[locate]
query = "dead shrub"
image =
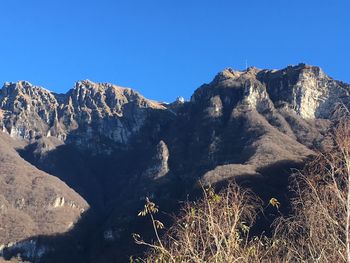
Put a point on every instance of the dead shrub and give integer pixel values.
(214, 229)
(318, 230)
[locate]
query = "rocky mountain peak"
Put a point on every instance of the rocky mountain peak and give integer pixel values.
(16, 86)
(303, 68)
(114, 146)
(89, 109)
(299, 71)
(20, 89)
(94, 108)
(231, 74)
(107, 93)
(303, 89)
(226, 74)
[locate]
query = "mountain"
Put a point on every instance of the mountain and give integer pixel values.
(32, 202)
(114, 147)
(111, 112)
(244, 121)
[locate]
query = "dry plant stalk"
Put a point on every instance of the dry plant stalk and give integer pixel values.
(318, 230)
(216, 228)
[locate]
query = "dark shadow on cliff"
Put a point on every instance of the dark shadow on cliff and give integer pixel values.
(95, 167)
(115, 187)
(89, 241)
(112, 184)
(272, 183)
(69, 165)
(72, 243)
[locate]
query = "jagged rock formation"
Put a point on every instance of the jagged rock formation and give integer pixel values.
(305, 89)
(112, 113)
(244, 121)
(114, 147)
(160, 165)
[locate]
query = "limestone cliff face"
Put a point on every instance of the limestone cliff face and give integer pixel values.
(26, 110)
(114, 147)
(305, 89)
(86, 112)
(108, 112)
(248, 120)
(105, 112)
(159, 165)
(261, 112)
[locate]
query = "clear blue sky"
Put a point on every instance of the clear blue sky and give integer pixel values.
(167, 48)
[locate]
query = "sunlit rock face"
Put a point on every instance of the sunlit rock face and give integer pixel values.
(26, 110)
(106, 110)
(305, 89)
(113, 148)
(92, 114)
(250, 119)
(87, 115)
(159, 166)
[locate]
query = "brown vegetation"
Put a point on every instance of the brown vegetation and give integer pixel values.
(216, 228)
(318, 231)
(27, 198)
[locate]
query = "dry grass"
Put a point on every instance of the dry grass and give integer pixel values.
(216, 229)
(318, 231)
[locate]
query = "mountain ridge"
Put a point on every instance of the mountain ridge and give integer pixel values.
(114, 147)
(57, 111)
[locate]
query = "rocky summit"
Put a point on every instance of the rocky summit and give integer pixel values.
(110, 111)
(76, 167)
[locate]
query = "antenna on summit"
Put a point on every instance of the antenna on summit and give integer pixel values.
(246, 64)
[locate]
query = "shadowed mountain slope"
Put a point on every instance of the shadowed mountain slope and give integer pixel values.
(32, 202)
(114, 147)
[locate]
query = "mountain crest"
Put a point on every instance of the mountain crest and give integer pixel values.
(303, 89)
(118, 113)
(114, 147)
(89, 108)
